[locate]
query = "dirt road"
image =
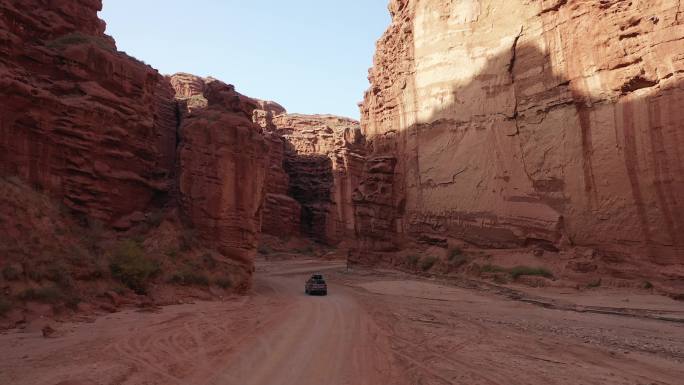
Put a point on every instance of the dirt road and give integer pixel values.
(373, 327)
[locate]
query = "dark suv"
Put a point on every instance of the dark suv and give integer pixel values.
(316, 285)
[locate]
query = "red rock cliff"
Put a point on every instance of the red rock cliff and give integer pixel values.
(506, 123)
(102, 132)
(223, 159)
(324, 160)
(79, 119)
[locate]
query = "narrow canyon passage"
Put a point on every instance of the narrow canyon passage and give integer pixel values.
(374, 326)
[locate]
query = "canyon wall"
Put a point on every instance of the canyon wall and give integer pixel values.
(111, 139)
(324, 161)
(79, 119)
(223, 161)
(506, 124)
(281, 215)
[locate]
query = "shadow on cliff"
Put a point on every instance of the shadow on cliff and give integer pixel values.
(604, 172)
(310, 183)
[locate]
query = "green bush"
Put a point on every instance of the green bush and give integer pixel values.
(75, 38)
(648, 285)
(190, 278)
(72, 302)
(457, 258)
(10, 273)
(209, 261)
(427, 263)
(308, 250)
(455, 253)
(50, 294)
(519, 271)
(264, 250)
(36, 274)
(132, 267)
(188, 239)
(173, 254)
(58, 274)
(412, 261)
(489, 268)
(155, 218)
(5, 306)
(224, 282)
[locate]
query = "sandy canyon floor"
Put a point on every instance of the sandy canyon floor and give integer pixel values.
(374, 327)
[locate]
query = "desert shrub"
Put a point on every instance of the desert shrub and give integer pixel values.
(72, 302)
(517, 271)
(209, 261)
(264, 250)
(187, 277)
(5, 306)
(308, 250)
(155, 218)
(120, 290)
(648, 285)
(594, 284)
(132, 267)
(188, 239)
(526, 270)
(457, 258)
(10, 273)
(501, 279)
(49, 294)
(455, 253)
(224, 282)
(69, 39)
(427, 263)
(489, 268)
(173, 254)
(58, 274)
(35, 274)
(412, 260)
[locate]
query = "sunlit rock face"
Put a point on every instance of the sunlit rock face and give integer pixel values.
(91, 126)
(324, 160)
(506, 124)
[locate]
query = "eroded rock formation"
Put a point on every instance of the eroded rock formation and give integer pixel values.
(282, 213)
(104, 134)
(324, 159)
(504, 124)
(79, 119)
(223, 159)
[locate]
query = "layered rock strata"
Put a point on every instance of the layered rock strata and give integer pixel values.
(556, 123)
(79, 119)
(324, 159)
(223, 159)
(104, 134)
(281, 215)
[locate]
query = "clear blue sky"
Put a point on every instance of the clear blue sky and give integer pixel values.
(311, 56)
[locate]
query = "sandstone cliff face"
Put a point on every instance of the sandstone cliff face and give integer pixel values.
(282, 213)
(103, 134)
(79, 119)
(324, 160)
(506, 124)
(223, 159)
(97, 160)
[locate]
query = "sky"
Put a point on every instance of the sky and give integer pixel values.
(311, 56)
